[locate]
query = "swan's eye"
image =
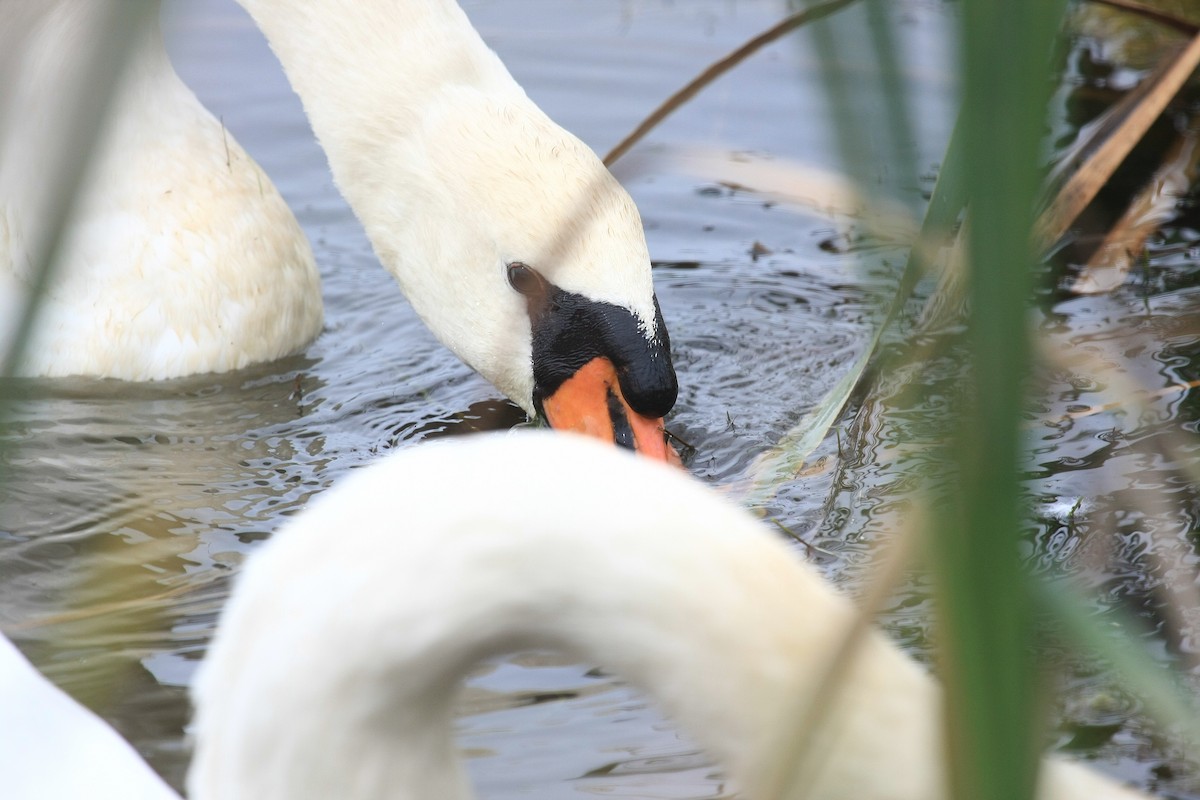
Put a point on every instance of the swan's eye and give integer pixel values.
(524, 279)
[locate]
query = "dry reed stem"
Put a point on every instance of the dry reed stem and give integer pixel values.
(1149, 12)
(809, 735)
(1126, 392)
(1081, 188)
(1153, 206)
(719, 68)
(1140, 396)
(1178, 582)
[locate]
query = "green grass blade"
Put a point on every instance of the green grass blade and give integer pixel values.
(985, 614)
(1111, 637)
(784, 461)
(90, 100)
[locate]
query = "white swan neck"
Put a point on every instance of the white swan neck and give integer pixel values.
(391, 585)
(691, 602)
(352, 62)
(454, 173)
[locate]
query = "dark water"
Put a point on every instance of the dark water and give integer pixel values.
(125, 508)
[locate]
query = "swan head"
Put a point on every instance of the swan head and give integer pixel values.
(525, 256)
(512, 241)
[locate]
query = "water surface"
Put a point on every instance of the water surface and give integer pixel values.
(126, 508)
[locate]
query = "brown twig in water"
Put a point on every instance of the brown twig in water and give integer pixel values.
(1152, 97)
(1175, 388)
(719, 68)
(809, 710)
(807, 544)
(1154, 205)
(1149, 12)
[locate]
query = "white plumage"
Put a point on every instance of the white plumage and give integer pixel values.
(337, 658)
(184, 258)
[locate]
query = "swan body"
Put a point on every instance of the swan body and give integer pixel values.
(184, 258)
(37, 718)
(336, 660)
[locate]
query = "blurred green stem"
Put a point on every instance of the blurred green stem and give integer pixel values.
(986, 618)
(90, 99)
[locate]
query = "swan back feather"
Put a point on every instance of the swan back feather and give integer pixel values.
(41, 724)
(181, 257)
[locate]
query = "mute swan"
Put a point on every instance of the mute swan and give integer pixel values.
(510, 239)
(37, 719)
(337, 657)
(182, 257)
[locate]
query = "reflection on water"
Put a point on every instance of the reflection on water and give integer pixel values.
(125, 509)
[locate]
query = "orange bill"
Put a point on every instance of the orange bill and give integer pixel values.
(590, 402)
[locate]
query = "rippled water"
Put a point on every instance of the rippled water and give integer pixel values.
(126, 508)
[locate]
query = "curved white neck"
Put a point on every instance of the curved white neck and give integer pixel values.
(375, 80)
(424, 46)
(689, 600)
(337, 659)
